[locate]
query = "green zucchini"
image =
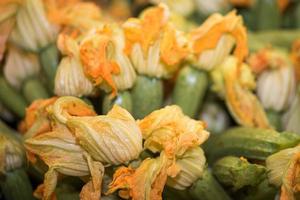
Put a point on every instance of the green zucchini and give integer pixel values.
(274, 118)
(33, 89)
(254, 143)
(11, 98)
(123, 99)
(236, 173)
(297, 15)
(147, 96)
(208, 188)
(49, 58)
(267, 15)
(15, 185)
(190, 88)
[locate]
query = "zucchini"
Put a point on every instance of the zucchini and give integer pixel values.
(267, 15)
(236, 173)
(11, 98)
(190, 88)
(16, 185)
(254, 143)
(274, 118)
(33, 89)
(147, 96)
(208, 188)
(123, 99)
(49, 58)
(297, 15)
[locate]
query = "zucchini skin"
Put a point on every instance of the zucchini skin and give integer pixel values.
(122, 99)
(12, 99)
(189, 91)
(208, 188)
(147, 96)
(267, 15)
(16, 185)
(33, 89)
(253, 143)
(237, 173)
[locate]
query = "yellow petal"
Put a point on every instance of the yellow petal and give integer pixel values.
(207, 35)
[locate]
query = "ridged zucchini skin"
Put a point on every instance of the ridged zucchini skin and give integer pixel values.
(11, 98)
(267, 15)
(15, 185)
(122, 99)
(147, 96)
(190, 88)
(208, 188)
(254, 143)
(236, 173)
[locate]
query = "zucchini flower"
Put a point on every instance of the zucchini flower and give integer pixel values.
(111, 139)
(242, 3)
(153, 44)
(70, 78)
(182, 7)
(103, 59)
(213, 41)
(276, 84)
(236, 83)
(284, 172)
(8, 10)
(33, 31)
(176, 137)
(60, 151)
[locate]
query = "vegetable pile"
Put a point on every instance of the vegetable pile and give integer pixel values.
(149, 100)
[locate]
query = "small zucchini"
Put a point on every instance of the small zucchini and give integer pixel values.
(123, 99)
(254, 143)
(147, 96)
(190, 88)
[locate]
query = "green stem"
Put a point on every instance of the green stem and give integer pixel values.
(49, 59)
(274, 118)
(11, 98)
(123, 99)
(16, 185)
(33, 89)
(147, 96)
(190, 89)
(208, 188)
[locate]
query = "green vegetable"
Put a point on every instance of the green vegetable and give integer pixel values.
(33, 89)
(190, 89)
(49, 58)
(236, 173)
(254, 143)
(123, 99)
(16, 185)
(208, 188)
(147, 96)
(274, 118)
(267, 15)
(11, 98)
(297, 15)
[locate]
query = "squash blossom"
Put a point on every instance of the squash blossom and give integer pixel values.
(213, 41)
(236, 82)
(104, 61)
(153, 44)
(284, 172)
(276, 84)
(295, 57)
(181, 7)
(206, 8)
(176, 137)
(70, 78)
(242, 3)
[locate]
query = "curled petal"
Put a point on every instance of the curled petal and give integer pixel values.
(208, 35)
(67, 107)
(111, 139)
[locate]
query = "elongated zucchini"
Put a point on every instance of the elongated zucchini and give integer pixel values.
(190, 89)
(254, 143)
(49, 58)
(267, 15)
(33, 89)
(208, 188)
(123, 99)
(16, 185)
(11, 98)
(236, 173)
(147, 96)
